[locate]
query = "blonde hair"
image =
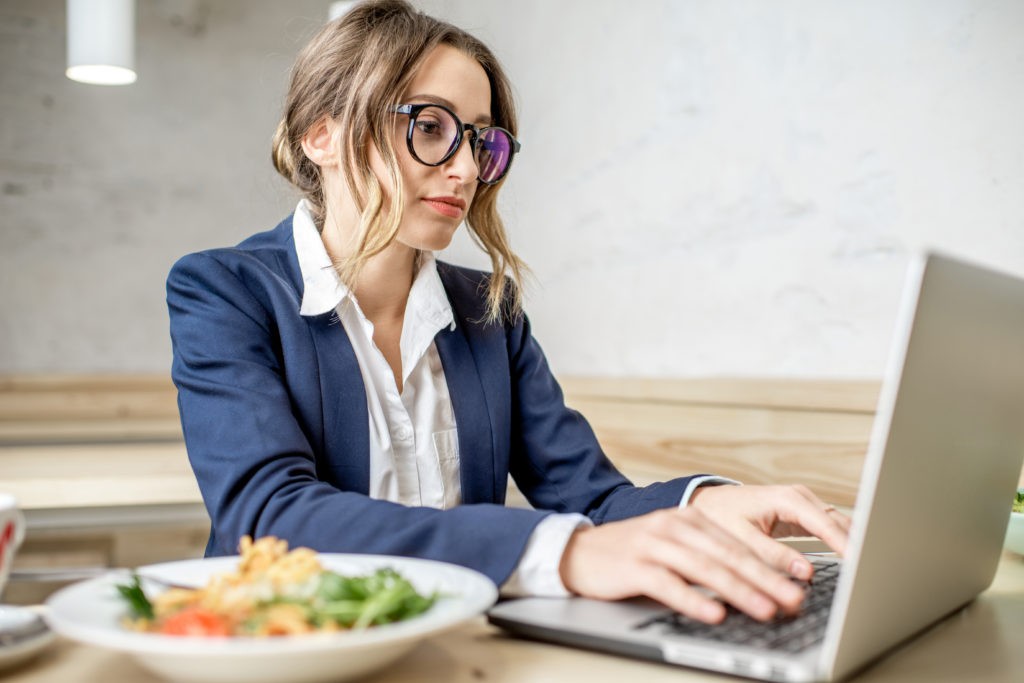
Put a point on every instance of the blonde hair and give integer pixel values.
(353, 70)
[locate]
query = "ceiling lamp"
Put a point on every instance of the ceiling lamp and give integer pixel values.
(339, 8)
(101, 41)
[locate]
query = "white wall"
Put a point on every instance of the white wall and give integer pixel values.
(706, 187)
(733, 187)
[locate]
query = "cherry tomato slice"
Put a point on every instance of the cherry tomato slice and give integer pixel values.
(195, 621)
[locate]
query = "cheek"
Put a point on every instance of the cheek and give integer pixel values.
(380, 171)
(406, 167)
(412, 173)
(471, 193)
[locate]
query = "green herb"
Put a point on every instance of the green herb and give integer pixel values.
(139, 604)
(379, 598)
(1018, 503)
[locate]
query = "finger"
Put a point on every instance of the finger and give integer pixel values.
(841, 518)
(705, 570)
(713, 557)
(667, 587)
(766, 565)
(805, 510)
(780, 556)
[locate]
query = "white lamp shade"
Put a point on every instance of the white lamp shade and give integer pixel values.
(339, 8)
(101, 41)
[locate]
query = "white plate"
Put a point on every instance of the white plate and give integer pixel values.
(22, 635)
(1014, 541)
(91, 612)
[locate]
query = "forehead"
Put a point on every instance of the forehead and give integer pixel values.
(451, 74)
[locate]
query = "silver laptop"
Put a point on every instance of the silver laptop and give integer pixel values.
(929, 520)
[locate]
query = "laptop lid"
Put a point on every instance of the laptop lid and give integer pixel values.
(942, 466)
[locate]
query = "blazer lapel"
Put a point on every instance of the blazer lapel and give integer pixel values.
(476, 450)
(346, 422)
(345, 445)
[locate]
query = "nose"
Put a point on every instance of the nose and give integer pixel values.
(462, 164)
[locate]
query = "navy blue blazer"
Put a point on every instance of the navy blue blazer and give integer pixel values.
(275, 420)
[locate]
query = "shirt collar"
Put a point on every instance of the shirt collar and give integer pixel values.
(427, 312)
(323, 290)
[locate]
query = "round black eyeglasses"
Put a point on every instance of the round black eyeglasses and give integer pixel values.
(435, 135)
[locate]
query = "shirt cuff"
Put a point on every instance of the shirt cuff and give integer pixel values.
(537, 573)
(706, 480)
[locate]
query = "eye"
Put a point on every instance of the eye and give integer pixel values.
(429, 126)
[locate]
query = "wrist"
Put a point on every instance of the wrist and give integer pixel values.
(698, 492)
(702, 483)
(566, 566)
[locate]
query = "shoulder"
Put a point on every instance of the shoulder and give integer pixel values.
(463, 282)
(259, 275)
(265, 254)
(468, 289)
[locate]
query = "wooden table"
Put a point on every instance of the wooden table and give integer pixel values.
(983, 642)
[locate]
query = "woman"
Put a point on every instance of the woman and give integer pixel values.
(341, 389)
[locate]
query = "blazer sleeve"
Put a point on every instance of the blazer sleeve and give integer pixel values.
(556, 460)
(255, 459)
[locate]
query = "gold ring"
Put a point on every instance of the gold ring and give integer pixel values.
(829, 508)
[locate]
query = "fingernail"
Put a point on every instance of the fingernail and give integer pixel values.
(800, 569)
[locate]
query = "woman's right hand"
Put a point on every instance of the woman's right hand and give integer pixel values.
(667, 554)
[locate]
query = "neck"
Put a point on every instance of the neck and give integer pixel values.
(383, 284)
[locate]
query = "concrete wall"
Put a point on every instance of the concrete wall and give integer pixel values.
(102, 188)
(706, 187)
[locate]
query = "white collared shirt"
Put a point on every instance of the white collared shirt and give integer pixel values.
(414, 452)
(414, 447)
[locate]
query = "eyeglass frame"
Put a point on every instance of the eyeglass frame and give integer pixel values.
(413, 110)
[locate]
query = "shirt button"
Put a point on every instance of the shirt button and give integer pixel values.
(404, 434)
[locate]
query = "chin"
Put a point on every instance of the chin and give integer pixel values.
(436, 245)
(436, 238)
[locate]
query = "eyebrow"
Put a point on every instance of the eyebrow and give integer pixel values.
(483, 119)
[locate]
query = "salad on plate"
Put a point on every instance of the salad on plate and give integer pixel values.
(274, 592)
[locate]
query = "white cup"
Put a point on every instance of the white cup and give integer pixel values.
(12, 533)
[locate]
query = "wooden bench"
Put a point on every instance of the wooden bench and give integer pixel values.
(89, 442)
(99, 464)
(759, 431)
(101, 441)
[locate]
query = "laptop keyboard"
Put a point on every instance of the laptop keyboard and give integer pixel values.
(789, 634)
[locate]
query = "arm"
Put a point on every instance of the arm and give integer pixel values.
(249, 397)
(643, 544)
(556, 459)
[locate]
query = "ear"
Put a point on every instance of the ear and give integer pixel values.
(319, 143)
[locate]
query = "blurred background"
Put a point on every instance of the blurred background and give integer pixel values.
(705, 187)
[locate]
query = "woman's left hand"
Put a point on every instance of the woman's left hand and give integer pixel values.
(756, 515)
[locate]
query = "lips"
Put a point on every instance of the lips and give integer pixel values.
(453, 207)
